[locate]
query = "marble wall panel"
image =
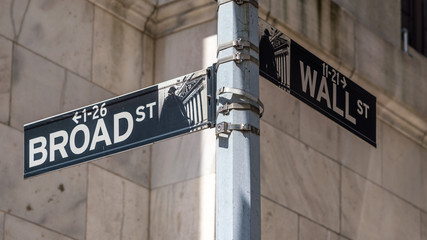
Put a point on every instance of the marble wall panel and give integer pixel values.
(423, 226)
(117, 208)
(401, 164)
(383, 19)
(323, 22)
(56, 200)
(184, 210)
(318, 131)
(372, 213)
(360, 156)
(309, 230)
(61, 31)
(133, 165)
(16, 228)
(378, 60)
(79, 92)
(183, 158)
(342, 36)
(184, 52)
(1, 225)
(117, 54)
(424, 179)
(5, 78)
(36, 88)
(281, 109)
(414, 81)
(298, 177)
(148, 61)
(181, 15)
(277, 222)
(135, 12)
(12, 14)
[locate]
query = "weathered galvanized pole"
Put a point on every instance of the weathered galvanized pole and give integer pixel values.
(238, 144)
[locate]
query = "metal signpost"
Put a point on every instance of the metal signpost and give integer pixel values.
(169, 109)
(291, 67)
(238, 143)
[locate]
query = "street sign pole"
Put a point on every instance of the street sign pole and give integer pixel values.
(238, 107)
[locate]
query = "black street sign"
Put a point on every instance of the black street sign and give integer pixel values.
(169, 109)
(292, 68)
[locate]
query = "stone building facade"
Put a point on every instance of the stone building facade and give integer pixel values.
(318, 181)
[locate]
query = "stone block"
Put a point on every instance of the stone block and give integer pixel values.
(117, 54)
(79, 92)
(5, 78)
(378, 60)
(342, 34)
(277, 222)
(148, 62)
(2, 225)
(383, 19)
(424, 179)
(117, 208)
(360, 156)
(181, 15)
(323, 22)
(36, 88)
(135, 12)
(44, 199)
(12, 14)
(181, 53)
(185, 210)
(61, 31)
(318, 131)
(309, 230)
(372, 213)
(401, 164)
(298, 177)
(183, 158)
(16, 228)
(423, 226)
(281, 108)
(414, 81)
(133, 165)
(289, 12)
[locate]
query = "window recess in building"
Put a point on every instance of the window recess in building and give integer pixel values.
(414, 22)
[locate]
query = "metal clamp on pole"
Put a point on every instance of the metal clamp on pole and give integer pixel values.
(237, 57)
(244, 95)
(224, 129)
(226, 108)
(239, 44)
(238, 2)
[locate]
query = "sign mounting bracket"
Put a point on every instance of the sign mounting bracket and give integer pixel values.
(224, 129)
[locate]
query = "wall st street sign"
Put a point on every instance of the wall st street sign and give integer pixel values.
(294, 69)
(169, 109)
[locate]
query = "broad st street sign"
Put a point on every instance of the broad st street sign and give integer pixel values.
(172, 108)
(292, 68)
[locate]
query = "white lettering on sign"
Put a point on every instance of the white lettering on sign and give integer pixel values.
(86, 135)
(362, 108)
(309, 79)
(128, 117)
(334, 101)
(35, 150)
(324, 92)
(100, 134)
(306, 78)
(42, 148)
(96, 112)
(140, 111)
(58, 146)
